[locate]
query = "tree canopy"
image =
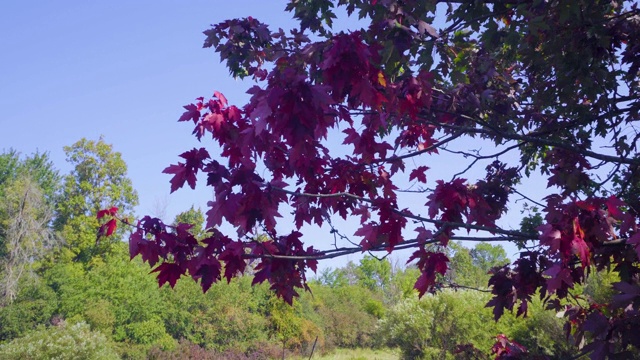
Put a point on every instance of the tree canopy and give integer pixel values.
(99, 178)
(548, 89)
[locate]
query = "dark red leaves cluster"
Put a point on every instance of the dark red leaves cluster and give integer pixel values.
(208, 260)
(505, 349)
(430, 264)
(283, 273)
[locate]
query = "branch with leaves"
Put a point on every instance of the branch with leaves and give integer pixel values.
(529, 77)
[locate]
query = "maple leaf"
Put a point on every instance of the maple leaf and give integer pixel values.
(369, 233)
(187, 171)
(628, 294)
(635, 242)
(135, 239)
(419, 174)
(208, 273)
(111, 226)
(192, 113)
(112, 211)
(233, 259)
(376, 88)
(150, 253)
(550, 236)
(108, 228)
(423, 235)
(581, 248)
(423, 28)
(430, 264)
(222, 98)
(168, 272)
(559, 278)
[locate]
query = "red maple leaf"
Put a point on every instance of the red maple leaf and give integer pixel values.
(187, 171)
(559, 278)
(192, 113)
(108, 228)
(208, 273)
(112, 211)
(233, 259)
(168, 272)
(430, 264)
(419, 174)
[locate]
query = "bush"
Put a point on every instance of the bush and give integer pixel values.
(100, 316)
(75, 342)
(34, 306)
(145, 332)
(432, 328)
(191, 351)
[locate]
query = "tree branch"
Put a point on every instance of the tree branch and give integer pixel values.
(493, 230)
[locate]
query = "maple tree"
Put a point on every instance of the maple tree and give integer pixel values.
(552, 86)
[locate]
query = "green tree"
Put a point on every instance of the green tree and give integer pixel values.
(24, 232)
(193, 217)
(374, 274)
(486, 256)
(37, 166)
(98, 180)
(470, 267)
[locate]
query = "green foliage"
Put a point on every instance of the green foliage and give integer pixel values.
(145, 332)
(74, 342)
(403, 282)
(97, 181)
(341, 313)
(542, 333)
(37, 166)
(599, 286)
(34, 305)
(374, 274)
(470, 267)
(433, 327)
(228, 316)
(193, 217)
(99, 315)
(24, 232)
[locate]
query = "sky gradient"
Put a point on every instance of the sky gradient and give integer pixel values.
(74, 69)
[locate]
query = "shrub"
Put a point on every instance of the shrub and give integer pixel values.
(74, 342)
(191, 351)
(34, 305)
(100, 316)
(432, 328)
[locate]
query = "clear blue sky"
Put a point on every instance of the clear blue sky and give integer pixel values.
(124, 69)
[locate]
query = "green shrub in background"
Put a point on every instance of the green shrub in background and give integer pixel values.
(99, 316)
(433, 327)
(72, 342)
(35, 305)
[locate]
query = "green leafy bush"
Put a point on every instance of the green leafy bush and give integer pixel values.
(73, 342)
(35, 305)
(145, 332)
(433, 327)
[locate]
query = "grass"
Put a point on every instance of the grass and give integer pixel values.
(358, 354)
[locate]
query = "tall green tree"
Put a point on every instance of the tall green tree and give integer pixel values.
(470, 267)
(37, 166)
(98, 180)
(25, 235)
(374, 273)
